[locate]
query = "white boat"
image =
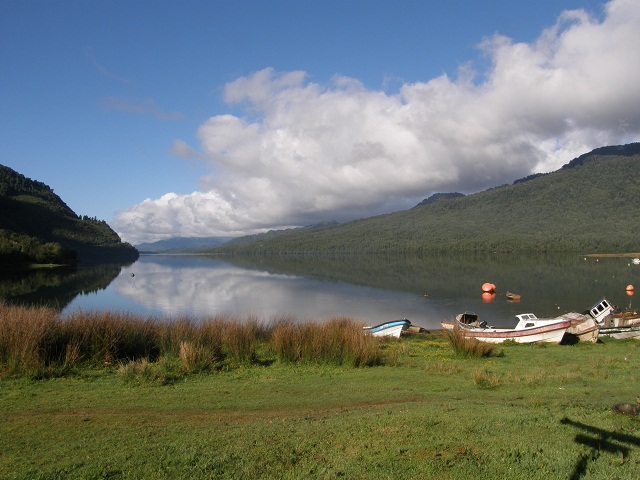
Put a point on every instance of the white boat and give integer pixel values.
(636, 261)
(530, 329)
(393, 328)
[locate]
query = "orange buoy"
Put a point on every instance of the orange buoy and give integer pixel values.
(488, 287)
(630, 293)
(629, 288)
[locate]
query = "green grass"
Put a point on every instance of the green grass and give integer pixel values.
(536, 412)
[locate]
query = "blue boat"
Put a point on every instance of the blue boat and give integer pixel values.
(389, 329)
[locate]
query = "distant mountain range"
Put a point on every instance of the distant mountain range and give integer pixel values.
(36, 226)
(205, 244)
(591, 204)
(182, 244)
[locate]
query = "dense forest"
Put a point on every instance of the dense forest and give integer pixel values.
(592, 204)
(36, 226)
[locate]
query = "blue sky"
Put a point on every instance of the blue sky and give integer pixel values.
(203, 118)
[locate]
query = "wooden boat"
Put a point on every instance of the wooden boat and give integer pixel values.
(393, 328)
(586, 327)
(622, 319)
(583, 327)
(615, 324)
(529, 329)
(514, 297)
(620, 333)
(621, 325)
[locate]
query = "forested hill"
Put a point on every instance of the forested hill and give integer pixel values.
(37, 226)
(592, 204)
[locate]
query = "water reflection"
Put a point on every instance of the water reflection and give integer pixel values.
(202, 286)
(54, 287)
(369, 288)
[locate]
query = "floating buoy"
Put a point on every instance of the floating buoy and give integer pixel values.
(488, 287)
(629, 287)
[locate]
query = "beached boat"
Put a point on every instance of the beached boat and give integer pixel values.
(583, 327)
(586, 327)
(393, 328)
(620, 333)
(529, 329)
(621, 325)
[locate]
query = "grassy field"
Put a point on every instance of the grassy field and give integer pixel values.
(421, 411)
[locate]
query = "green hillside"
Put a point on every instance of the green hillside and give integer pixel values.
(37, 226)
(592, 204)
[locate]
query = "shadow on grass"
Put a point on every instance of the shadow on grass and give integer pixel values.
(598, 440)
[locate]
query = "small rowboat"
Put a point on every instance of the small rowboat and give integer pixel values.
(393, 328)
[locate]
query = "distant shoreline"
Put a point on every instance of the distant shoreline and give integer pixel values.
(613, 255)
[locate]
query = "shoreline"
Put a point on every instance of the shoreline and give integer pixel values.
(613, 255)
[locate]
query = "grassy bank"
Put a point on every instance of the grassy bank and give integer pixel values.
(424, 411)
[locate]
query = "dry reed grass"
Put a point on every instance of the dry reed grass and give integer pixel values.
(468, 347)
(38, 342)
(486, 380)
(23, 336)
(340, 340)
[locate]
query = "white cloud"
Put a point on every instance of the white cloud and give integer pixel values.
(313, 152)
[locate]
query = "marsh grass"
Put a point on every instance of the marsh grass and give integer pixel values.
(485, 379)
(470, 347)
(37, 342)
(23, 331)
(165, 371)
(339, 341)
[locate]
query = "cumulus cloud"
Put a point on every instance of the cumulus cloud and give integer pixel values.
(308, 152)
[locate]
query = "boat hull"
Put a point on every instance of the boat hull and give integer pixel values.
(583, 327)
(621, 333)
(549, 333)
(389, 329)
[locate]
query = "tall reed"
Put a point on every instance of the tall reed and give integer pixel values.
(467, 346)
(23, 337)
(241, 339)
(106, 337)
(37, 341)
(340, 340)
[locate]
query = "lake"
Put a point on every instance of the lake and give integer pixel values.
(373, 289)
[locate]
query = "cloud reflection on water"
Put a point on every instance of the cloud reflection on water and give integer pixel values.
(200, 286)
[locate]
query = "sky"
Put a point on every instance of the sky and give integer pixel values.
(198, 118)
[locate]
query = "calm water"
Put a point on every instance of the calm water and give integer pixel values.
(372, 289)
